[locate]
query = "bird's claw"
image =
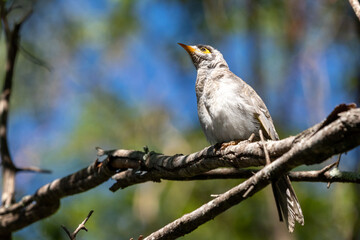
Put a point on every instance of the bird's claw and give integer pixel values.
(232, 143)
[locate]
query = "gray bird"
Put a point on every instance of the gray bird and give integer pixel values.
(230, 110)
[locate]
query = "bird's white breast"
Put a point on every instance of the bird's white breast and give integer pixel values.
(223, 113)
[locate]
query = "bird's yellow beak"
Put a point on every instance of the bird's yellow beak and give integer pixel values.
(188, 48)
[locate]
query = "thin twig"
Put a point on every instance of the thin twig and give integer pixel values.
(336, 165)
(327, 168)
(248, 191)
(81, 226)
(3, 13)
(338, 161)
(67, 231)
(12, 7)
(32, 58)
(267, 158)
(25, 17)
(32, 169)
(251, 138)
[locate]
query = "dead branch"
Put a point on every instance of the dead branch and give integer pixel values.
(46, 200)
(81, 226)
(9, 169)
(312, 146)
(12, 40)
(323, 175)
(305, 150)
(244, 154)
(32, 170)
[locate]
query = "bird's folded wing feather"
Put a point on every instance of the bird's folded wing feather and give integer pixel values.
(262, 114)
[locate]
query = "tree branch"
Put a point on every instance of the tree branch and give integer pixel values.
(12, 37)
(244, 154)
(356, 6)
(306, 150)
(46, 200)
(335, 135)
(81, 226)
(329, 175)
(32, 169)
(9, 170)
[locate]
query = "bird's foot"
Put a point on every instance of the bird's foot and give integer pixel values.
(232, 143)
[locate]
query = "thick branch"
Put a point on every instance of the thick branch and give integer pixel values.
(244, 154)
(335, 135)
(339, 132)
(46, 200)
(307, 150)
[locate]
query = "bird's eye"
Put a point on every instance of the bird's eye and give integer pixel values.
(204, 50)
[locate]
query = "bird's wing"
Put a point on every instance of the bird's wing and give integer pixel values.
(261, 112)
(266, 122)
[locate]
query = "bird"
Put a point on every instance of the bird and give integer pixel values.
(230, 110)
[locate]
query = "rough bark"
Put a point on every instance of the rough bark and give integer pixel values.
(339, 133)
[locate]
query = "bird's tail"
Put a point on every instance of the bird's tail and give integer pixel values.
(287, 203)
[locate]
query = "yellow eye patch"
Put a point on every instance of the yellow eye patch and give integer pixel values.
(204, 50)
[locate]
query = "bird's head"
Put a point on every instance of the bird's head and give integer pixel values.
(205, 56)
